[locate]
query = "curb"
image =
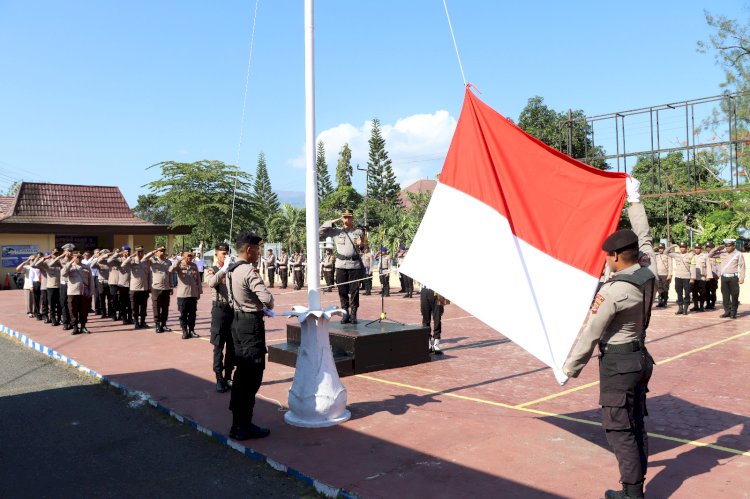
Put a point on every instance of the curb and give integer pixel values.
(325, 489)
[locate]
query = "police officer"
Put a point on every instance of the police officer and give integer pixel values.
(221, 318)
(80, 288)
(188, 291)
(347, 238)
(299, 277)
(384, 269)
(732, 272)
(664, 276)
(431, 305)
(105, 298)
(50, 268)
(123, 283)
(327, 265)
(284, 268)
(699, 273)
(249, 298)
(617, 325)
(270, 267)
(64, 306)
(712, 284)
(161, 289)
(682, 279)
(367, 261)
(407, 283)
(139, 266)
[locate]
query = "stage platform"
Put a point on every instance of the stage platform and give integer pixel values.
(362, 348)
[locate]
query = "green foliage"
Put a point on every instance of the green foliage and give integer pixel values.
(552, 128)
(148, 208)
(200, 194)
(344, 167)
(324, 179)
(382, 185)
(265, 202)
(288, 227)
(12, 189)
(345, 196)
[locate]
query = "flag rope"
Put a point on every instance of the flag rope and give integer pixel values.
(455, 45)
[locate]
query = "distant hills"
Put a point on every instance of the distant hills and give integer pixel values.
(295, 198)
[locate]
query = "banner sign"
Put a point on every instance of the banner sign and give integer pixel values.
(13, 256)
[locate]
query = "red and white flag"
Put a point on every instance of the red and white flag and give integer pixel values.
(537, 219)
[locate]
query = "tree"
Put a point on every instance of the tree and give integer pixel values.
(324, 179)
(265, 202)
(148, 208)
(12, 189)
(382, 185)
(344, 167)
(288, 226)
(200, 194)
(552, 128)
(343, 197)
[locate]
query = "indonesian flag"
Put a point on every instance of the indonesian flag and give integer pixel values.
(535, 220)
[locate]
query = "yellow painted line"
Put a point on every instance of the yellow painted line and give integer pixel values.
(459, 318)
(537, 412)
(661, 362)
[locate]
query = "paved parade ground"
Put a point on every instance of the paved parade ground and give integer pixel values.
(484, 420)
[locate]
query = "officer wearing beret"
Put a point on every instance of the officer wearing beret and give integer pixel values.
(699, 274)
(222, 316)
(682, 275)
(712, 284)
(139, 266)
(348, 239)
(249, 298)
(161, 289)
(50, 270)
(617, 324)
(384, 269)
(664, 276)
(68, 250)
(123, 283)
(732, 272)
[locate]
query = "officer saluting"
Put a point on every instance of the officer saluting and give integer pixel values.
(348, 262)
(617, 324)
(221, 319)
(249, 297)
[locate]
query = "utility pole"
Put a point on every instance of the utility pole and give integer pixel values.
(570, 132)
(367, 189)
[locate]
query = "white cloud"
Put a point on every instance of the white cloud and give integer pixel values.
(416, 144)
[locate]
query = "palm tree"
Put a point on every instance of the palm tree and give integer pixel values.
(288, 227)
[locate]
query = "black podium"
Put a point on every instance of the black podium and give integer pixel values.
(361, 348)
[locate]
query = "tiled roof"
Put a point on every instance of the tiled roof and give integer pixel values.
(424, 185)
(5, 204)
(70, 204)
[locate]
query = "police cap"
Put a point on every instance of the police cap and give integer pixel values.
(126, 247)
(662, 246)
(683, 245)
(709, 244)
(347, 213)
(621, 240)
(698, 246)
(222, 247)
(729, 241)
(69, 247)
(383, 248)
(248, 238)
(139, 248)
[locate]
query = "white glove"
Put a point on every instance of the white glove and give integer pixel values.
(633, 189)
(563, 381)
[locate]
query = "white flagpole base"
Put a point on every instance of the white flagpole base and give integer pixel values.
(317, 398)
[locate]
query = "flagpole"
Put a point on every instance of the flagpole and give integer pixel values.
(316, 398)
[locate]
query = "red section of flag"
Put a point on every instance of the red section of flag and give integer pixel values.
(556, 204)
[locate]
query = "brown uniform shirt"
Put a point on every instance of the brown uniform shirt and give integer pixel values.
(78, 276)
(347, 253)
(160, 274)
(139, 272)
(699, 267)
(328, 261)
(115, 267)
(367, 263)
(249, 292)
(218, 284)
(188, 280)
(731, 263)
(663, 264)
(51, 267)
(681, 262)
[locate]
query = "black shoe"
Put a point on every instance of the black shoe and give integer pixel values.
(725, 315)
(66, 327)
(245, 432)
(345, 319)
(84, 329)
(55, 323)
(167, 329)
(144, 325)
(115, 318)
(685, 311)
(353, 317)
(75, 331)
(634, 491)
(46, 320)
(98, 312)
(221, 385)
(710, 307)
(695, 309)
(185, 334)
(193, 334)
(733, 315)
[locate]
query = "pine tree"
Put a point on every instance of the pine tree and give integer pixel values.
(382, 184)
(344, 167)
(324, 179)
(265, 202)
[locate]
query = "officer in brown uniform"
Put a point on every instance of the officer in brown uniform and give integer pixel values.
(384, 269)
(222, 316)
(105, 298)
(347, 239)
(699, 273)
(407, 283)
(297, 270)
(67, 256)
(80, 288)
(249, 298)
(732, 272)
(161, 289)
(664, 276)
(123, 283)
(283, 267)
(367, 261)
(188, 292)
(114, 285)
(681, 270)
(139, 266)
(327, 266)
(270, 267)
(712, 284)
(617, 324)
(49, 267)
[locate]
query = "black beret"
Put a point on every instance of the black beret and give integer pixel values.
(661, 245)
(709, 244)
(222, 247)
(683, 245)
(248, 238)
(698, 246)
(620, 240)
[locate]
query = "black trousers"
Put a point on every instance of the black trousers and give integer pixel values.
(97, 297)
(284, 276)
(408, 286)
(328, 277)
(271, 276)
(53, 301)
(105, 300)
(160, 305)
(699, 293)
(79, 309)
(348, 293)
(624, 382)
(138, 303)
(123, 297)
(64, 304)
(368, 284)
(222, 317)
(187, 307)
(114, 294)
(299, 279)
(431, 309)
(43, 307)
(249, 338)
(711, 286)
(730, 293)
(683, 288)
(385, 284)
(662, 288)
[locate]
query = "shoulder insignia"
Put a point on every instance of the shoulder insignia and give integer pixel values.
(598, 300)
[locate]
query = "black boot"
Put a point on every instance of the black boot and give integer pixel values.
(629, 491)
(157, 328)
(221, 384)
(144, 324)
(679, 309)
(84, 329)
(695, 307)
(185, 334)
(685, 309)
(725, 315)
(345, 318)
(193, 334)
(75, 328)
(354, 315)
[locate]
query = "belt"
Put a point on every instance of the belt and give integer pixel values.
(729, 275)
(240, 312)
(282, 266)
(633, 346)
(348, 258)
(221, 304)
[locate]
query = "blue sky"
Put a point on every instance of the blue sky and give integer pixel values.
(94, 92)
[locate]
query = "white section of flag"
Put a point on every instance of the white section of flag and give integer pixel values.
(535, 300)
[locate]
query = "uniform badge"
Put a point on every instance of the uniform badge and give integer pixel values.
(598, 300)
